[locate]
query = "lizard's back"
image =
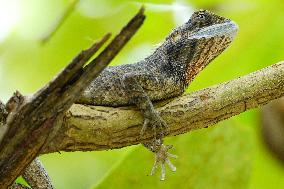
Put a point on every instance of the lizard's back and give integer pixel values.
(186, 51)
(108, 88)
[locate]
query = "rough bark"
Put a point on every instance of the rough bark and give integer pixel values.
(36, 176)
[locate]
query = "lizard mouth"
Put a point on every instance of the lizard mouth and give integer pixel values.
(228, 29)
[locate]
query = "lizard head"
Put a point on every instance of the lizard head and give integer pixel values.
(194, 44)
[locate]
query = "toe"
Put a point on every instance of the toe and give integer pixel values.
(172, 155)
(154, 168)
(164, 124)
(144, 127)
(163, 171)
(172, 167)
(169, 147)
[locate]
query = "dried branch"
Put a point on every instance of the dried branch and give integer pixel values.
(33, 122)
(88, 128)
(36, 176)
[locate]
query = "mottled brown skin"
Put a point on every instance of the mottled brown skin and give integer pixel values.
(165, 73)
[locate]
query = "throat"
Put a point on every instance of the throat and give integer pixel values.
(192, 71)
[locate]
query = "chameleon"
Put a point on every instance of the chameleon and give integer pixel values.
(164, 74)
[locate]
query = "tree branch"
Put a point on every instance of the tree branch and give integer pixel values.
(32, 122)
(88, 128)
(36, 176)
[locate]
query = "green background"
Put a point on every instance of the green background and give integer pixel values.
(229, 155)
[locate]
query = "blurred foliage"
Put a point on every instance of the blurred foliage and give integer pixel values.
(200, 165)
(230, 155)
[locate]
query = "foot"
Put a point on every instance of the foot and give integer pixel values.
(161, 157)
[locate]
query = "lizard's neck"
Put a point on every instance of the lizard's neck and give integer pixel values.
(195, 66)
(204, 51)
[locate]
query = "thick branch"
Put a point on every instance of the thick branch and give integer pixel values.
(100, 128)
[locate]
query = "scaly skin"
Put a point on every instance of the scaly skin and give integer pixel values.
(165, 73)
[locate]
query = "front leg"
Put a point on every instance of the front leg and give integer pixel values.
(133, 86)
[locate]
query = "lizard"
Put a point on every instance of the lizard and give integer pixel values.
(164, 74)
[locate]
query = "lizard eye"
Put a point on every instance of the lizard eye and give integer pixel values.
(201, 19)
(201, 16)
